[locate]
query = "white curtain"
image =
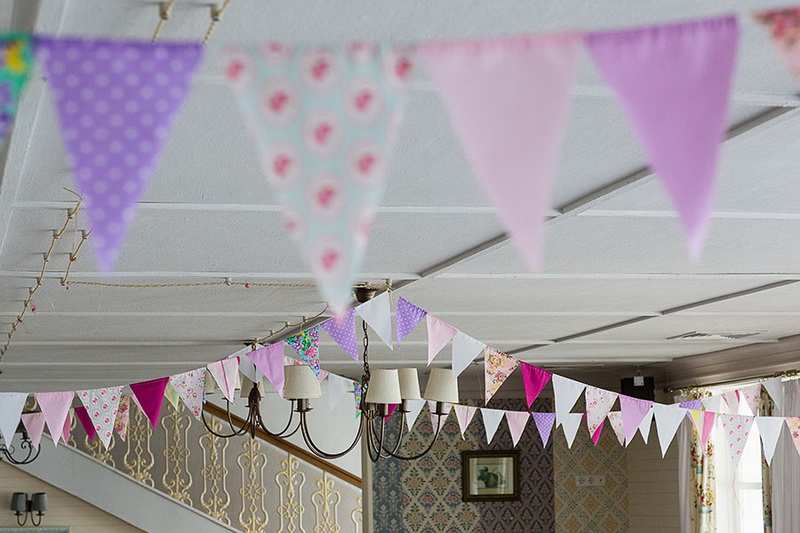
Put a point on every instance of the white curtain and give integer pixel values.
(786, 469)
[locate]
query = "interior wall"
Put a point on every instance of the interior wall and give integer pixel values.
(653, 501)
(64, 508)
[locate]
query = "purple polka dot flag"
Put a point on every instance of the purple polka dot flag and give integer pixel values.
(544, 423)
(306, 344)
(343, 331)
(116, 102)
(408, 317)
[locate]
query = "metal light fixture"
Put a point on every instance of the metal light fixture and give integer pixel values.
(381, 389)
(22, 507)
(22, 453)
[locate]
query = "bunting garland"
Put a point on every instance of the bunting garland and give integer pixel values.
(498, 366)
(123, 417)
(408, 316)
(306, 344)
(16, 64)
(343, 331)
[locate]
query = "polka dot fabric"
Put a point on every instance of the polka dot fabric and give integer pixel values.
(343, 331)
(323, 121)
(408, 316)
(102, 406)
(737, 430)
(116, 102)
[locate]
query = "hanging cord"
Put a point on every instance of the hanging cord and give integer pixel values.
(216, 16)
(164, 14)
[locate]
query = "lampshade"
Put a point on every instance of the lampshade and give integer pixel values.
(210, 384)
(245, 387)
(409, 384)
(39, 502)
(19, 502)
(384, 387)
(442, 386)
(300, 383)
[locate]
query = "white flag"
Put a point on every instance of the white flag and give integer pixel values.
(567, 392)
(378, 314)
(465, 350)
(668, 418)
(491, 421)
(570, 426)
(769, 427)
(11, 404)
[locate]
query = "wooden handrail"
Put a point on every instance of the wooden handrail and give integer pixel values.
(287, 446)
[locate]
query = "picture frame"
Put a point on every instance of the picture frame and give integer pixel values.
(490, 475)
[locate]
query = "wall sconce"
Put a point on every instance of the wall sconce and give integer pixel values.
(22, 507)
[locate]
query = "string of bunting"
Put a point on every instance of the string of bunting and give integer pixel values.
(324, 118)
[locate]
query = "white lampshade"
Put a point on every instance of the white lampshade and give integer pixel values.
(409, 384)
(384, 387)
(210, 384)
(442, 386)
(246, 385)
(300, 383)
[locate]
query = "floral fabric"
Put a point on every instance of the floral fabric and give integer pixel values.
(784, 27)
(123, 416)
(497, 366)
(16, 64)
(306, 344)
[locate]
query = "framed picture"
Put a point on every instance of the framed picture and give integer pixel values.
(490, 475)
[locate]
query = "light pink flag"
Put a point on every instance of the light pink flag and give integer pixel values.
(101, 409)
(731, 399)
(674, 82)
(534, 379)
(615, 419)
(544, 424)
(751, 396)
(784, 26)
(224, 373)
(633, 412)
(270, 360)
(598, 404)
(439, 334)
(517, 420)
(508, 99)
(464, 414)
(55, 406)
(497, 367)
(737, 430)
(150, 396)
(34, 424)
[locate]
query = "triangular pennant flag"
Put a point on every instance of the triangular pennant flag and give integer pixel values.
(338, 388)
(86, 422)
(737, 431)
(668, 418)
(597, 432)
(377, 313)
(774, 388)
(34, 425)
(703, 423)
(358, 390)
(769, 427)
(615, 419)
(794, 430)
(695, 404)
(270, 361)
(491, 421)
(323, 120)
(544, 424)
(15, 68)
(464, 414)
(343, 331)
(55, 407)
(150, 395)
(566, 392)
(570, 426)
(751, 396)
(784, 26)
(408, 316)
(497, 367)
(172, 395)
(508, 100)
(674, 82)
(190, 388)
(517, 420)
(534, 379)
(465, 350)
(123, 417)
(644, 427)
(247, 368)
(11, 405)
(598, 404)
(439, 334)
(306, 344)
(414, 409)
(712, 403)
(224, 373)
(435, 421)
(67, 427)
(116, 102)
(633, 412)
(731, 399)
(101, 406)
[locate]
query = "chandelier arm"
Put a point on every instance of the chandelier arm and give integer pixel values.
(282, 433)
(29, 458)
(245, 427)
(235, 433)
(316, 450)
(383, 451)
(430, 446)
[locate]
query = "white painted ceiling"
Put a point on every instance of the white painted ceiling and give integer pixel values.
(614, 255)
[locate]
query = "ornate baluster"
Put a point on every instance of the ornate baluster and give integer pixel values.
(253, 517)
(357, 515)
(326, 504)
(290, 483)
(215, 498)
(177, 478)
(139, 458)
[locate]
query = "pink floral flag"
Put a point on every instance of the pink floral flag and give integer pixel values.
(615, 419)
(439, 334)
(544, 424)
(784, 27)
(34, 424)
(497, 367)
(323, 120)
(224, 373)
(151, 397)
(306, 344)
(123, 417)
(751, 396)
(55, 407)
(598, 404)
(190, 387)
(101, 407)
(86, 422)
(793, 423)
(633, 412)
(737, 430)
(507, 99)
(517, 420)
(464, 414)
(674, 82)
(534, 379)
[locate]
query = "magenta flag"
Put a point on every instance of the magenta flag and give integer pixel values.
(116, 102)
(55, 407)
(674, 82)
(270, 361)
(86, 422)
(343, 331)
(67, 428)
(784, 27)
(633, 412)
(534, 379)
(408, 317)
(150, 395)
(508, 100)
(34, 425)
(544, 424)
(597, 432)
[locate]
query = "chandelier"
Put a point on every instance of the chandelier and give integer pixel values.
(381, 388)
(22, 453)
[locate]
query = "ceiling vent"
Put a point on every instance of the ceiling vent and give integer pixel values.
(705, 336)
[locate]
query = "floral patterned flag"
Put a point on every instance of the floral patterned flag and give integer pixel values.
(615, 419)
(751, 396)
(190, 387)
(598, 404)
(408, 316)
(497, 367)
(793, 422)
(737, 430)
(343, 331)
(323, 119)
(16, 63)
(306, 344)
(357, 392)
(784, 26)
(123, 416)
(101, 406)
